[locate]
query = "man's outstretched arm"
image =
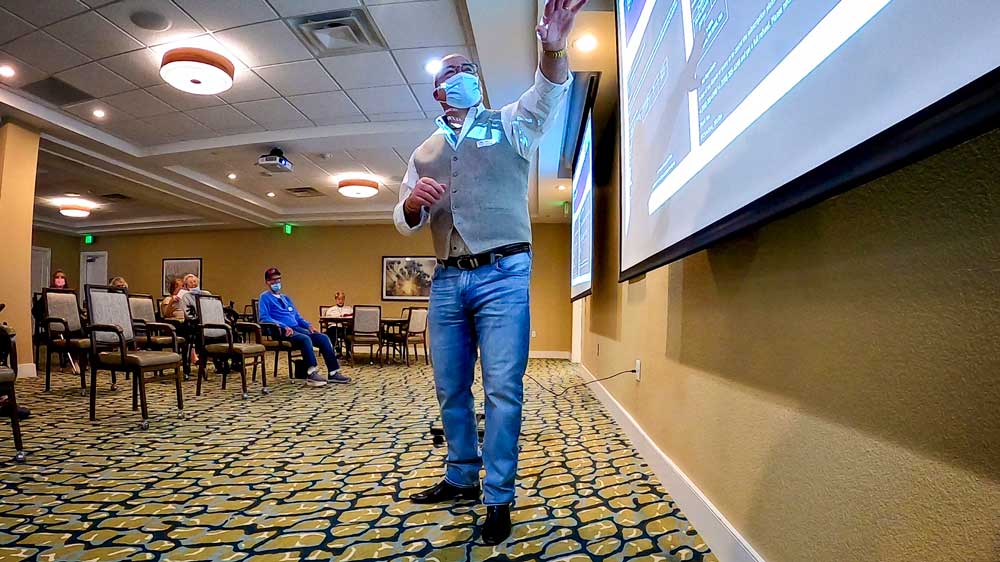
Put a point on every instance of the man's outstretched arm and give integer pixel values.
(553, 31)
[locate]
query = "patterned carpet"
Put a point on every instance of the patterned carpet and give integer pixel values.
(318, 474)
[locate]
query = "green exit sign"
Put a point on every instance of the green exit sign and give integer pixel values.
(88, 239)
(288, 229)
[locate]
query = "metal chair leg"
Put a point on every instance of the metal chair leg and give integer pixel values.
(180, 391)
(15, 425)
(93, 391)
(142, 397)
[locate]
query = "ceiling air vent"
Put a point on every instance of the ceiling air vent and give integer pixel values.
(304, 192)
(115, 197)
(342, 32)
(56, 92)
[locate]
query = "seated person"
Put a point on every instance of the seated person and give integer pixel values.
(338, 310)
(170, 307)
(277, 308)
(187, 300)
(118, 283)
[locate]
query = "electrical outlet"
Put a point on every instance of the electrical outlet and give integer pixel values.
(534, 334)
(638, 370)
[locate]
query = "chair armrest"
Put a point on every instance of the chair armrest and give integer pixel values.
(250, 327)
(117, 330)
(55, 320)
(271, 330)
(161, 327)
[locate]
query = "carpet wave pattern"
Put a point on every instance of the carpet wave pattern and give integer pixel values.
(319, 474)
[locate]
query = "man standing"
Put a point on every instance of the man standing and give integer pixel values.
(469, 181)
(277, 308)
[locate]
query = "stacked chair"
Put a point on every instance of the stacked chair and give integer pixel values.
(63, 333)
(113, 347)
(216, 339)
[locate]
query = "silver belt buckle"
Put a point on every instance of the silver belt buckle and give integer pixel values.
(465, 262)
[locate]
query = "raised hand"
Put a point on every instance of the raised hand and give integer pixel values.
(425, 193)
(557, 23)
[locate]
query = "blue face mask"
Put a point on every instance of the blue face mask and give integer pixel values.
(276, 287)
(462, 90)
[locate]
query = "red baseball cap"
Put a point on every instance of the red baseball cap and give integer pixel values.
(270, 273)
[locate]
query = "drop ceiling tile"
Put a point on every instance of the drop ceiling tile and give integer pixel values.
(325, 106)
(93, 35)
(412, 61)
(176, 125)
(381, 161)
(437, 21)
(137, 131)
(181, 25)
(224, 119)
(112, 116)
(385, 99)
(223, 14)
(183, 100)
(414, 116)
(297, 78)
(364, 70)
(141, 67)
(45, 52)
(339, 120)
(139, 103)
(247, 86)
(302, 7)
(12, 26)
(95, 80)
(272, 114)
(263, 44)
(43, 13)
(425, 96)
(24, 73)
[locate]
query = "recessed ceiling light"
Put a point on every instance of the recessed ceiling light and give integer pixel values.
(562, 188)
(270, 194)
(197, 71)
(99, 113)
(231, 176)
(433, 67)
(6, 72)
(586, 43)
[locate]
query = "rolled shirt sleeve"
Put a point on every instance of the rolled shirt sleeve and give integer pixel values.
(405, 188)
(526, 120)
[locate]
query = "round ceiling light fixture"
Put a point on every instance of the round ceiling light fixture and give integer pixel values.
(6, 71)
(74, 207)
(197, 71)
(358, 186)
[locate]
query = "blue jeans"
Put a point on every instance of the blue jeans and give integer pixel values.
(485, 308)
(304, 340)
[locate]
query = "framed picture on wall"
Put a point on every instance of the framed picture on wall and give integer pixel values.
(177, 268)
(407, 278)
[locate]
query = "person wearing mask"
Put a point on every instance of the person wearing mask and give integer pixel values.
(192, 287)
(278, 308)
(118, 283)
(59, 280)
(469, 182)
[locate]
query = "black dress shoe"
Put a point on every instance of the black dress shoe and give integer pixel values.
(443, 492)
(496, 529)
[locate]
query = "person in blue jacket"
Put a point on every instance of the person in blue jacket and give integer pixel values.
(279, 309)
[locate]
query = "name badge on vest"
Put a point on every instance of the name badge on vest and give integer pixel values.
(487, 142)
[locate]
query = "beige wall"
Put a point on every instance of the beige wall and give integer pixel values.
(18, 160)
(830, 381)
(65, 253)
(318, 261)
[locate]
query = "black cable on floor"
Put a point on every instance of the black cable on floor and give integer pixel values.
(563, 391)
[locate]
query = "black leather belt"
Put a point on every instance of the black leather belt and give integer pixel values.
(486, 258)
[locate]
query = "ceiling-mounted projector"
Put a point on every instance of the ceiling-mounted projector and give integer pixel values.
(275, 161)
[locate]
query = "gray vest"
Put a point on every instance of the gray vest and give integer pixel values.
(487, 197)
